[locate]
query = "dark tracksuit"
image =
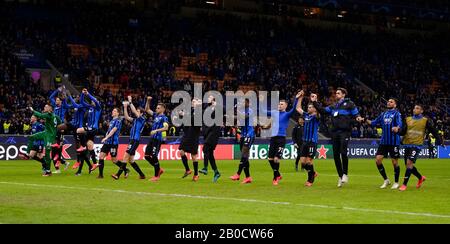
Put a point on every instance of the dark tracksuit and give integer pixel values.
(343, 114)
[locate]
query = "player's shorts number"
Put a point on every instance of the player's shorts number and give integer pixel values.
(280, 149)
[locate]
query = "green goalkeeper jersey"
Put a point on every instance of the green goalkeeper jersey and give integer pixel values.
(51, 122)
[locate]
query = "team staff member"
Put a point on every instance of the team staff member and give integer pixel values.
(343, 114)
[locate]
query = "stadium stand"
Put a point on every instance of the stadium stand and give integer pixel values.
(162, 53)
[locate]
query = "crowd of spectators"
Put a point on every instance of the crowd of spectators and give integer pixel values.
(142, 52)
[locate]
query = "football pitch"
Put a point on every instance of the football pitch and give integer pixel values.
(27, 197)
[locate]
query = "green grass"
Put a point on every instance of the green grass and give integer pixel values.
(27, 197)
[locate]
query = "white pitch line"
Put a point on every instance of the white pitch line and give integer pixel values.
(396, 212)
(369, 176)
(231, 199)
(376, 175)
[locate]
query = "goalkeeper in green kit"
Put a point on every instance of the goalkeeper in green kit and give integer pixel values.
(48, 136)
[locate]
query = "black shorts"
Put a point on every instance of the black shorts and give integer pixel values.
(38, 148)
(189, 145)
(153, 147)
(132, 147)
(110, 148)
(276, 146)
(246, 141)
(308, 149)
(392, 150)
(412, 153)
(90, 133)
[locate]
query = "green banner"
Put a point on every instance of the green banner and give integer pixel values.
(261, 151)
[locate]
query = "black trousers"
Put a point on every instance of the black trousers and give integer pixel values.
(340, 141)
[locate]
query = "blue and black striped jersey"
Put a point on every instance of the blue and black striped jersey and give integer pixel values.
(114, 123)
(94, 113)
(60, 111)
(136, 129)
(311, 128)
(158, 123)
(248, 130)
(78, 115)
(387, 120)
